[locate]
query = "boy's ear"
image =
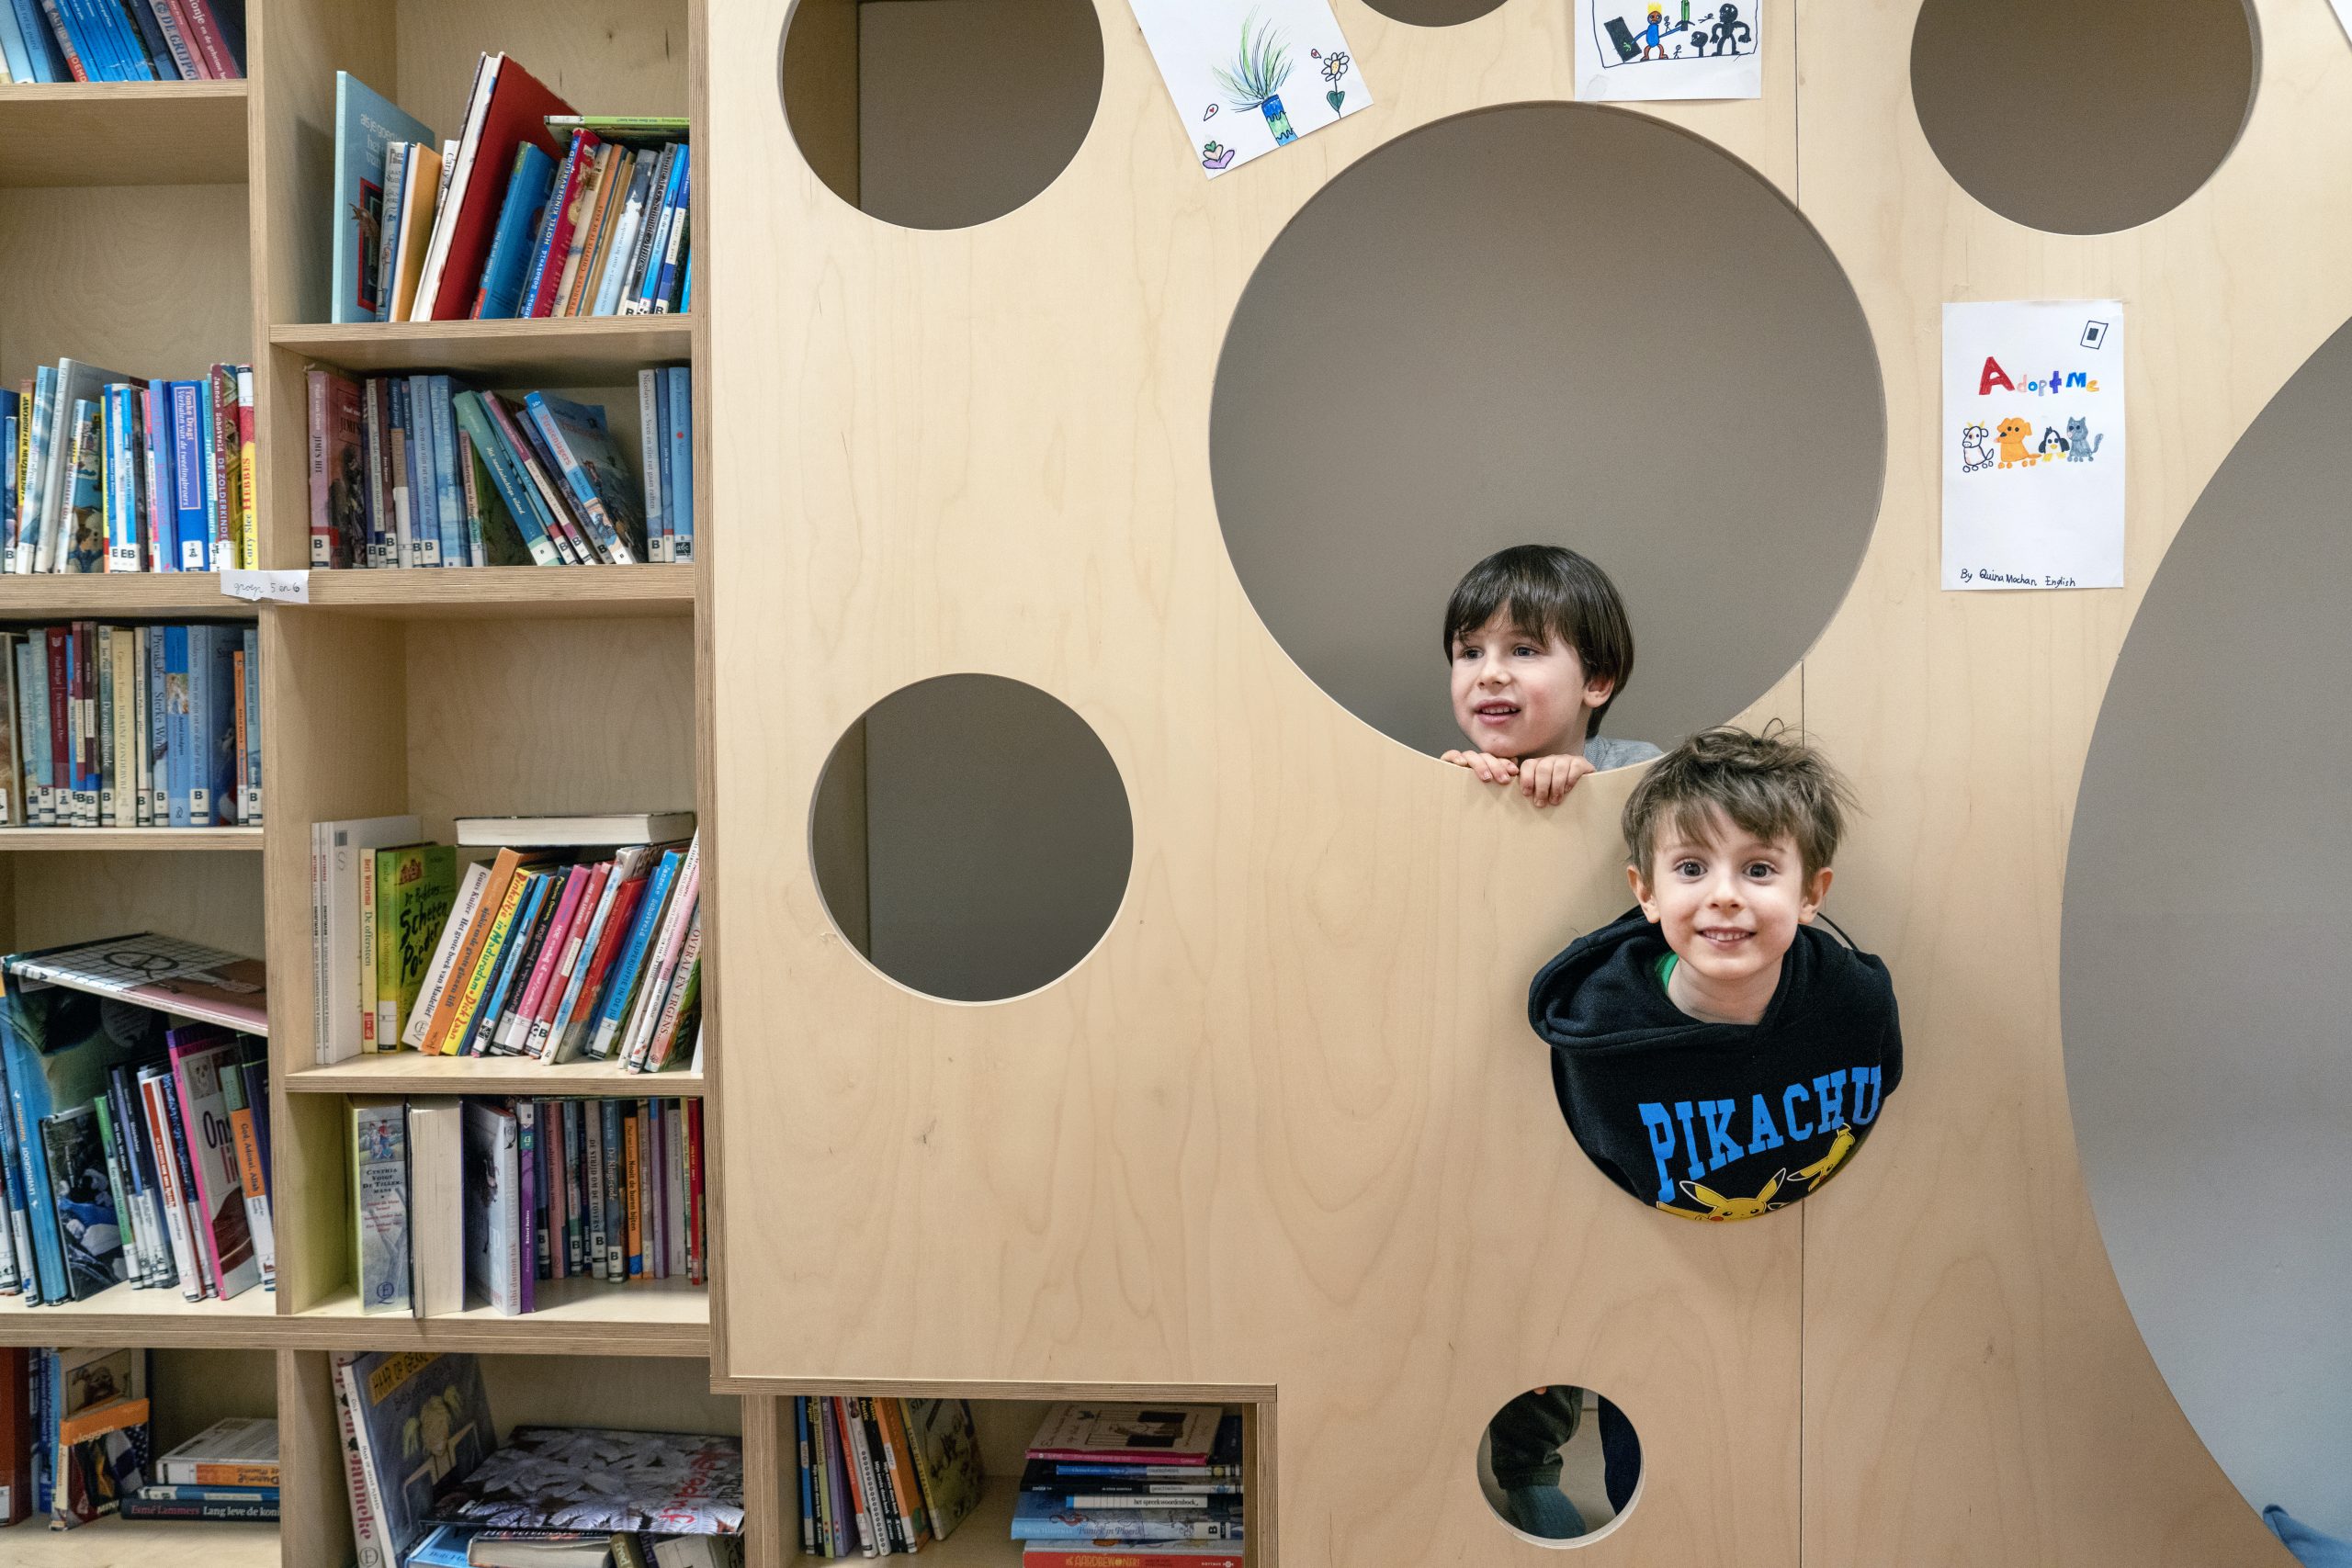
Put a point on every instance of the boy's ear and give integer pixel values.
(1599, 690)
(1642, 894)
(1816, 888)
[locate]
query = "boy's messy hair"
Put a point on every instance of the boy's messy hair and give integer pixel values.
(1550, 592)
(1767, 784)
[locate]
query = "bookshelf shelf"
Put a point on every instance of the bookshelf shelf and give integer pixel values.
(573, 350)
(412, 1071)
(508, 591)
(134, 1543)
(122, 133)
(39, 596)
(126, 1315)
(980, 1542)
(143, 839)
(576, 1317)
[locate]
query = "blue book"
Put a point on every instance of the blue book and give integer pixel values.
(82, 547)
(97, 25)
(57, 1051)
(9, 468)
(24, 549)
(47, 61)
(577, 437)
(680, 497)
(155, 438)
(364, 121)
(400, 473)
(483, 1025)
(122, 36)
(665, 213)
(445, 1548)
(210, 436)
(202, 701)
(659, 531)
(515, 487)
(251, 812)
(674, 238)
(12, 46)
(178, 740)
(191, 472)
(123, 468)
(159, 730)
(518, 226)
(446, 495)
(66, 23)
(163, 1492)
(614, 1008)
(423, 507)
(221, 723)
(152, 41)
(550, 219)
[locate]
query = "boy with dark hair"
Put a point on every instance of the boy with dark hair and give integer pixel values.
(1715, 1053)
(1540, 646)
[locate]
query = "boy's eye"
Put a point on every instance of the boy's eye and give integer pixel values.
(1760, 869)
(1689, 868)
(1528, 652)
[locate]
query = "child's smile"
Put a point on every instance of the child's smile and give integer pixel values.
(1729, 904)
(1520, 695)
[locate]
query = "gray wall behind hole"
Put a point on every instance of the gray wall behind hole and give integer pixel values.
(997, 833)
(1548, 324)
(2082, 117)
(967, 108)
(2206, 996)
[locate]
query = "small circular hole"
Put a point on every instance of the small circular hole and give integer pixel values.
(971, 837)
(1560, 1465)
(1433, 13)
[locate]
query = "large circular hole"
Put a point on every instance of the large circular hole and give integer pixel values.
(1433, 13)
(1559, 1464)
(2204, 989)
(941, 113)
(1556, 324)
(971, 837)
(2087, 117)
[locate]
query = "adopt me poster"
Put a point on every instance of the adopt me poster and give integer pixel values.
(2033, 447)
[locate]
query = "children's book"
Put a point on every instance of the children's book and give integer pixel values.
(594, 1479)
(1038, 1517)
(364, 121)
(520, 214)
(89, 1227)
(1170, 1434)
(591, 464)
(416, 887)
(946, 1454)
(201, 1055)
(380, 1203)
(421, 1424)
(420, 193)
(185, 979)
(239, 1451)
(507, 107)
(494, 1256)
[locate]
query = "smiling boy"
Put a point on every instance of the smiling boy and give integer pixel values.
(1715, 1052)
(1540, 646)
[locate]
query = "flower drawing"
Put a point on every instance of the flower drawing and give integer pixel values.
(1255, 80)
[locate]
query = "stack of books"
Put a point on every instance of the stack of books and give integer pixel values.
(473, 1202)
(122, 41)
(534, 210)
(130, 727)
(1131, 1487)
(582, 938)
(883, 1476)
(420, 471)
(229, 1471)
(578, 1497)
(73, 1439)
(110, 472)
(134, 1151)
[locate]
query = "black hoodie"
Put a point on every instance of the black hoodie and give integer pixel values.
(1716, 1120)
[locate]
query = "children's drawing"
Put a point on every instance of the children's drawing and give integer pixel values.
(1634, 50)
(2027, 503)
(1244, 56)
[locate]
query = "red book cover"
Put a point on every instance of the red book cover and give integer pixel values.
(178, 11)
(695, 1272)
(204, 36)
(227, 465)
(609, 945)
(520, 105)
(15, 1436)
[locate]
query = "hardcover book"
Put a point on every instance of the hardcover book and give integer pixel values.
(89, 1226)
(200, 1057)
(364, 121)
(584, 450)
(379, 1207)
(184, 978)
(421, 1424)
(1169, 1434)
(507, 107)
(416, 887)
(595, 1479)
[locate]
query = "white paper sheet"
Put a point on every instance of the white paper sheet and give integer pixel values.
(1247, 76)
(2344, 15)
(1629, 51)
(2032, 442)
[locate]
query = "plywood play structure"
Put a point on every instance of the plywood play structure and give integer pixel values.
(1111, 995)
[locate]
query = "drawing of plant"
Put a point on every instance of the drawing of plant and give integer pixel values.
(1335, 66)
(1256, 79)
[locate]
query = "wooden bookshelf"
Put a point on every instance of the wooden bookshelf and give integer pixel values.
(575, 1318)
(166, 841)
(141, 1543)
(126, 1315)
(412, 1071)
(505, 592)
(122, 133)
(574, 351)
(142, 596)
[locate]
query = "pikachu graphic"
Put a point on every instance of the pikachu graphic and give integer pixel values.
(1720, 1208)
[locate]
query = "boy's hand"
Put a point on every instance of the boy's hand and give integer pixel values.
(1547, 780)
(1490, 770)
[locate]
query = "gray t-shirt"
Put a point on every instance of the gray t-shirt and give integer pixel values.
(1605, 752)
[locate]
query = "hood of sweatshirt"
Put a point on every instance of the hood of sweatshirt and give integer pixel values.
(1717, 1121)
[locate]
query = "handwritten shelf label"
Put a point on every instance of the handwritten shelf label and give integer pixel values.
(278, 587)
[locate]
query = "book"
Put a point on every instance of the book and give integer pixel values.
(379, 1208)
(600, 1479)
(1131, 1555)
(420, 195)
(494, 1260)
(583, 445)
(463, 908)
(164, 1493)
(421, 1424)
(200, 1056)
(574, 832)
(365, 122)
(185, 979)
(529, 186)
(337, 850)
(415, 889)
(440, 1176)
(506, 108)
(1167, 1434)
(86, 1210)
(338, 515)
(245, 1091)
(945, 1452)
(239, 1451)
(141, 1507)
(1036, 1517)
